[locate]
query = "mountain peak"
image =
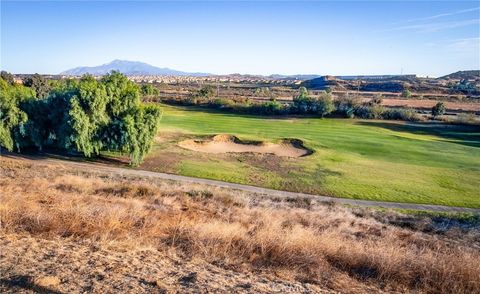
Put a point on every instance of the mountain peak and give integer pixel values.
(127, 67)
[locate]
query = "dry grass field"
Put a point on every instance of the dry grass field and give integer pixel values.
(72, 231)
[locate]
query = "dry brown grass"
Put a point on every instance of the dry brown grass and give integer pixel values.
(326, 245)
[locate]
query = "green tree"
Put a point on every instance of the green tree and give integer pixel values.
(12, 118)
(139, 129)
(149, 90)
(302, 102)
(133, 125)
(39, 84)
(7, 77)
(438, 109)
(206, 92)
(303, 93)
(324, 104)
(90, 115)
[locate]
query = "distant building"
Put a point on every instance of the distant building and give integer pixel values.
(17, 80)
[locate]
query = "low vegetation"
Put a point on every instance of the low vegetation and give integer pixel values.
(326, 246)
(302, 104)
(352, 107)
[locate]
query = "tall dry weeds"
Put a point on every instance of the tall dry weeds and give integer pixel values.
(329, 246)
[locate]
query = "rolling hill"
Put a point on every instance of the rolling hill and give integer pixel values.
(463, 74)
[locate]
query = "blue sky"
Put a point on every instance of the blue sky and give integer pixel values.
(338, 38)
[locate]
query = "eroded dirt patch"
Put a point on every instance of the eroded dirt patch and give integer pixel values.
(231, 144)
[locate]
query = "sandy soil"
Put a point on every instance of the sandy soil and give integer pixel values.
(228, 143)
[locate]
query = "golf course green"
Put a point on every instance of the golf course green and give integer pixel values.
(361, 159)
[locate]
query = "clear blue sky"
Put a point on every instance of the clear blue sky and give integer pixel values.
(338, 38)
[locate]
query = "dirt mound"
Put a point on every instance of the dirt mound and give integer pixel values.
(225, 143)
(225, 138)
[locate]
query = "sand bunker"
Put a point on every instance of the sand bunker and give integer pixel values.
(228, 143)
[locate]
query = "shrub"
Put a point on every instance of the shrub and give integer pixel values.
(346, 106)
(263, 92)
(268, 108)
(377, 99)
(370, 112)
(206, 92)
(467, 119)
(438, 109)
(221, 103)
(465, 87)
(406, 93)
(401, 114)
(303, 103)
(323, 105)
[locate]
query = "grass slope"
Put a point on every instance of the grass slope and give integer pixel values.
(377, 160)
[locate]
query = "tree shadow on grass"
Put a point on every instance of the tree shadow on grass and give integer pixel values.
(458, 134)
(70, 156)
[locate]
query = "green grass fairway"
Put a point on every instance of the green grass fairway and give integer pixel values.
(363, 159)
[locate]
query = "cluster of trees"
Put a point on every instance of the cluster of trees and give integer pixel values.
(7, 77)
(303, 103)
(85, 116)
(203, 96)
(465, 87)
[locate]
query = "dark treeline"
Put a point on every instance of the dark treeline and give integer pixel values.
(86, 116)
(303, 103)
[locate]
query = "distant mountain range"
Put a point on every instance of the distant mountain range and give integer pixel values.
(136, 68)
(130, 68)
